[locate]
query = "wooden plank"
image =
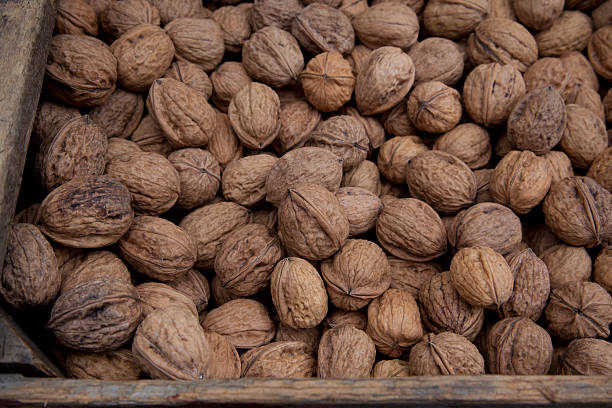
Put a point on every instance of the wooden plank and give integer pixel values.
(476, 391)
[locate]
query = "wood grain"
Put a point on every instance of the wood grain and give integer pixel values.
(477, 391)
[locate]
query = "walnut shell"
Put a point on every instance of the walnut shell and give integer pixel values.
(220, 294)
(434, 107)
(150, 177)
(345, 352)
(445, 354)
(358, 273)
(599, 51)
(437, 59)
(582, 4)
(87, 213)
(502, 9)
(390, 369)
(226, 361)
(244, 322)
(518, 346)
(200, 176)
(529, 130)
(117, 365)
(588, 98)
(385, 81)
(602, 272)
(586, 357)
(365, 176)
(191, 75)
(579, 211)
(468, 142)
(120, 16)
(80, 71)
(277, 13)
(327, 81)
(585, 136)
(387, 24)
(281, 359)
(119, 114)
(321, 28)
(559, 165)
(344, 136)
(570, 32)
(137, 68)
(155, 296)
(581, 70)
(87, 266)
(170, 344)
(357, 58)
(227, 80)
(224, 144)
(443, 310)
(273, 56)
(410, 229)
(409, 275)
(395, 155)
(567, 264)
(440, 17)
(235, 25)
(353, 8)
(338, 317)
(361, 207)
(197, 40)
(579, 310)
(396, 121)
(50, 117)
(309, 336)
(298, 119)
(170, 10)
(76, 17)
(97, 315)
(482, 277)
(244, 180)
(195, 286)
(150, 137)
(538, 17)
(549, 71)
(539, 238)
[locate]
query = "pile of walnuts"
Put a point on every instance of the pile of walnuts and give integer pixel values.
(332, 188)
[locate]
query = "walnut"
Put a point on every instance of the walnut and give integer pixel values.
(50, 117)
(170, 10)
(320, 28)
(602, 272)
(410, 229)
(235, 24)
(469, 143)
(273, 56)
(454, 19)
(303, 165)
(539, 238)
(385, 81)
(443, 310)
(119, 114)
(579, 211)
(158, 248)
(358, 273)
(416, 5)
(586, 357)
(502, 41)
(224, 144)
(150, 177)
(227, 80)
(195, 286)
(244, 322)
(602, 15)
(437, 59)
(309, 336)
(197, 40)
(116, 365)
(298, 119)
(77, 150)
(220, 294)
(387, 24)
(28, 215)
(599, 51)
(97, 315)
(150, 137)
(559, 165)
(358, 57)
(373, 127)
(353, 8)
(120, 16)
(570, 32)
(345, 352)
(311, 223)
(579, 310)
(395, 155)
(491, 91)
(254, 114)
(361, 207)
(143, 54)
(191, 75)
(87, 266)
(567, 264)
(446, 353)
(87, 213)
(99, 5)
(482, 277)
(391, 369)
(581, 70)
(327, 81)
(434, 107)
(338, 317)
(330, 3)
(483, 180)
(588, 98)
(365, 175)
(226, 361)
(549, 71)
(76, 17)
(536, 17)
(281, 359)
(396, 121)
(277, 13)
(518, 346)
(155, 296)
(585, 136)
(244, 180)
(80, 71)
(409, 275)
(200, 176)
(344, 136)
(530, 130)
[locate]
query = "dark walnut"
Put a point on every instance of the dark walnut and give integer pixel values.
(586, 357)
(116, 365)
(518, 346)
(120, 16)
(446, 353)
(227, 80)
(200, 176)
(395, 155)
(158, 248)
(297, 120)
(80, 71)
(220, 295)
(585, 136)
(361, 207)
(76, 17)
(155, 296)
(321, 28)
(244, 180)
(437, 59)
(97, 315)
(570, 32)
(328, 81)
(434, 107)
(30, 277)
(356, 274)
(50, 116)
(410, 229)
(387, 24)
(539, 238)
(345, 352)
(226, 361)
(281, 359)
(197, 40)
(468, 142)
(235, 25)
(277, 13)
(87, 213)
(579, 310)
(409, 275)
(192, 75)
(88, 266)
(440, 17)
(119, 114)
(344, 136)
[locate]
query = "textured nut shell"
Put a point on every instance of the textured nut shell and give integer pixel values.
(244, 180)
(195, 286)
(442, 180)
(150, 137)
(50, 117)
(570, 32)
(80, 71)
(298, 293)
(588, 98)
(200, 176)
(445, 354)
(28, 215)
(520, 181)
(345, 352)
(97, 315)
(365, 176)
(76, 17)
(358, 57)
(502, 41)
(244, 322)
(328, 81)
(120, 16)
(483, 179)
(567, 264)
(549, 71)
(579, 211)
(410, 229)
(277, 13)
(197, 40)
(601, 169)
(358, 273)
(481, 276)
(539, 238)
(172, 9)
(273, 56)
(528, 129)
(119, 114)
(579, 310)
(311, 223)
(225, 362)
(224, 144)
(208, 226)
(535, 17)
(585, 136)
(155, 296)
(396, 121)
(321, 28)
(599, 52)
(297, 120)
(152, 180)
(395, 154)
(437, 59)
(235, 25)
(87, 213)
(220, 294)
(281, 359)
(491, 91)
(394, 322)
(361, 207)
(502, 9)
(390, 369)
(434, 107)
(136, 68)
(170, 344)
(88, 266)
(581, 70)
(227, 80)
(440, 17)
(385, 81)
(338, 317)
(309, 336)
(587, 357)
(559, 165)
(191, 75)
(410, 276)
(518, 346)
(387, 24)
(30, 277)
(117, 365)
(344, 136)
(373, 127)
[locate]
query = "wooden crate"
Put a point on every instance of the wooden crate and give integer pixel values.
(25, 31)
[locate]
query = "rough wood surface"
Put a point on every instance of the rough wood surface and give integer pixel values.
(477, 391)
